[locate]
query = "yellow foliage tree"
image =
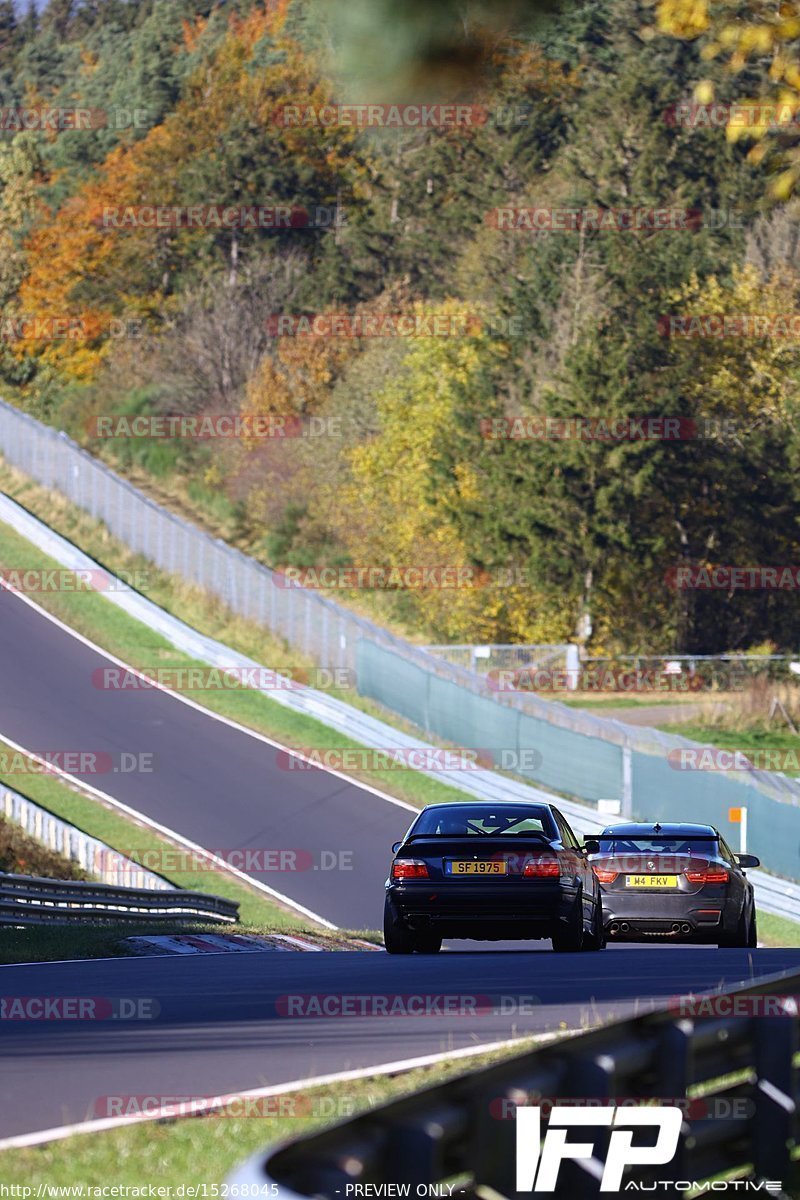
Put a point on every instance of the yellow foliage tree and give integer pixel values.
(763, 35)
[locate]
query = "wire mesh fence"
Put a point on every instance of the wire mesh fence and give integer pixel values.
(581, 754)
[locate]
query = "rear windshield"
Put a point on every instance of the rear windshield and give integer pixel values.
(659, 845)
(482, 819)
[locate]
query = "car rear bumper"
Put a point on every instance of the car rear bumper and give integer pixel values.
(682, 917)
(532, 909)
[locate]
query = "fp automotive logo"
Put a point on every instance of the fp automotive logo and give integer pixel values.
(538, 1162)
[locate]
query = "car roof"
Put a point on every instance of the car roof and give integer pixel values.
(489, 803)
(641, 829)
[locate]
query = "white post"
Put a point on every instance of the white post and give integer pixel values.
(573, 666)
(627, 782)
(743, 831)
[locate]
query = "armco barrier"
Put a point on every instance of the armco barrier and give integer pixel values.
(582, 755)
(465, 1130)
(95, 857)
(29, 900)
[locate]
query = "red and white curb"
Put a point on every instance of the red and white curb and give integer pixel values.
(215, 943)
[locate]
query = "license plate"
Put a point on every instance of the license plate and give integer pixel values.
(470, 867)
(651, 881)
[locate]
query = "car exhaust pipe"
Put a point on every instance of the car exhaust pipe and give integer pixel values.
(614, 927)
(624, 927)
(686, 927)
(675, 927)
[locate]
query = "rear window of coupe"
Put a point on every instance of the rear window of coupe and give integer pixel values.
(483, 820)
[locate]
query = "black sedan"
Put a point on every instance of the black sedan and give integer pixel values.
(491, 871)
(679, 883)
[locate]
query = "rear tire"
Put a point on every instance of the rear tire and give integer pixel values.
(596, 940)
(752, 940)
(569, 937)
(396, 938)
(738, 938)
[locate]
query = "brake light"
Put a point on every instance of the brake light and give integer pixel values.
(542, 868)
(409, 868)
(708, 875)
(605, 874)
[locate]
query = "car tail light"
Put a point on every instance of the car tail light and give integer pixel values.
(605, 874)
(541, 868)
(409, 868)
(708, 875)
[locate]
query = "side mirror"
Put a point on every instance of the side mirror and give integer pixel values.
(591, 846)
(396, 847)
(747, 860)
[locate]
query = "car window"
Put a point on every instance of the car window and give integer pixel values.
(658, 845)
(567, 836)
(726, 852)
(482, 819)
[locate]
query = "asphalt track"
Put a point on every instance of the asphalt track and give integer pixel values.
(222, 1025)
(210, 782)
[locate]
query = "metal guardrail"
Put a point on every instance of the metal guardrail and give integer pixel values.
(107, 865)
(30, 900)
(465, 1130)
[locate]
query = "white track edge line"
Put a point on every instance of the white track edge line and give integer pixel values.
(167, 1112)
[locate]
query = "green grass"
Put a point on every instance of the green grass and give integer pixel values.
(196, 1151)
(777, 931)
(622, 701)
(747, 740)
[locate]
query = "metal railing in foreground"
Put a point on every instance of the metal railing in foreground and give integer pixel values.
(739, 1074)
(29, 900)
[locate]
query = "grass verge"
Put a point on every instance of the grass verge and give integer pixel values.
(777, 931)
(776, 749)
(196, 1151)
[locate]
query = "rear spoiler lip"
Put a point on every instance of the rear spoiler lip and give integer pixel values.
(688, 837)
(473, 837)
